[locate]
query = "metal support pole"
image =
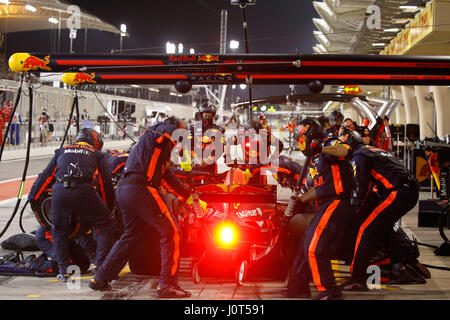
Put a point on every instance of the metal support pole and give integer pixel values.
(85, 39)
(247, 50)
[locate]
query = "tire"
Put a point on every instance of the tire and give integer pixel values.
(241, 272)
(43, 214)
(195, 273)
(296, 229)
(288, 275)
(44, 217)
(146, 257)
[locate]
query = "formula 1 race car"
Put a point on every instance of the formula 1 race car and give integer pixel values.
(243, 232)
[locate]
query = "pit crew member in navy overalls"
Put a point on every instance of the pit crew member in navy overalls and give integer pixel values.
(74, 168)
(333, 183)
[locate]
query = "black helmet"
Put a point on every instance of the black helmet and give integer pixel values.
(336, 118)
(307, 132)
(175, 121)
(256, 126)
(207, 108)
(352, 138)
(90, 136)
(324, 122)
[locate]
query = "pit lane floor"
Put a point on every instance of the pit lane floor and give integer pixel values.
(135, 287)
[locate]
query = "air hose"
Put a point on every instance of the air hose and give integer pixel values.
(21, 216)
(27, 160)
(293, 200)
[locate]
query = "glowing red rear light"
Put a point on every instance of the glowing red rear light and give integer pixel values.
(226, 235)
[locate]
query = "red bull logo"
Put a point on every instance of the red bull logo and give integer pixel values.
(208, 58)
(84, 77)
(34, 63)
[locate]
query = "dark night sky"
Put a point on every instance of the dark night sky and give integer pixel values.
(274, 26)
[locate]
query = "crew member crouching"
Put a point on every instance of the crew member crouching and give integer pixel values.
(397, 194)
(74, 167)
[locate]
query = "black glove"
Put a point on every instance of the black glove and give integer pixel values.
(34, 205)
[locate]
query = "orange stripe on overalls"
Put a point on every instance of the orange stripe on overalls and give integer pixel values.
(337, 179)
(45, 184)
(102, 187)
(315, 240)
(118, 167)
(383, 180)
(152, 166)
(168, 187)
(369, 220)
(176, 234)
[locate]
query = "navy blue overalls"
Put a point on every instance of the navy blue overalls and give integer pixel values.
(80, 163)
(397, 194)
(333, 181)
(140, 200)
(82, 250)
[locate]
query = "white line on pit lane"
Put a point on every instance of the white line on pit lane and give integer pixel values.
(11, 200)
(17, 179)
(31, 158)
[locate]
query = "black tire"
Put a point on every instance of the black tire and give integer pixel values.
(43, 214)
(195, 273)
(295, 230)
(44, 217)
(146, 257)
(242, 272)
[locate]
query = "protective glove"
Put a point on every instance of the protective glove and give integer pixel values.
(203, 204)
(187, 164)
(247, 175)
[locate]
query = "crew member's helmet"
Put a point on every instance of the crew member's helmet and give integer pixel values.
(325, 122)
(308, 133)
(336, 118)
(353, 139)
(90, 136)
(175, 121)
(207, 113)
